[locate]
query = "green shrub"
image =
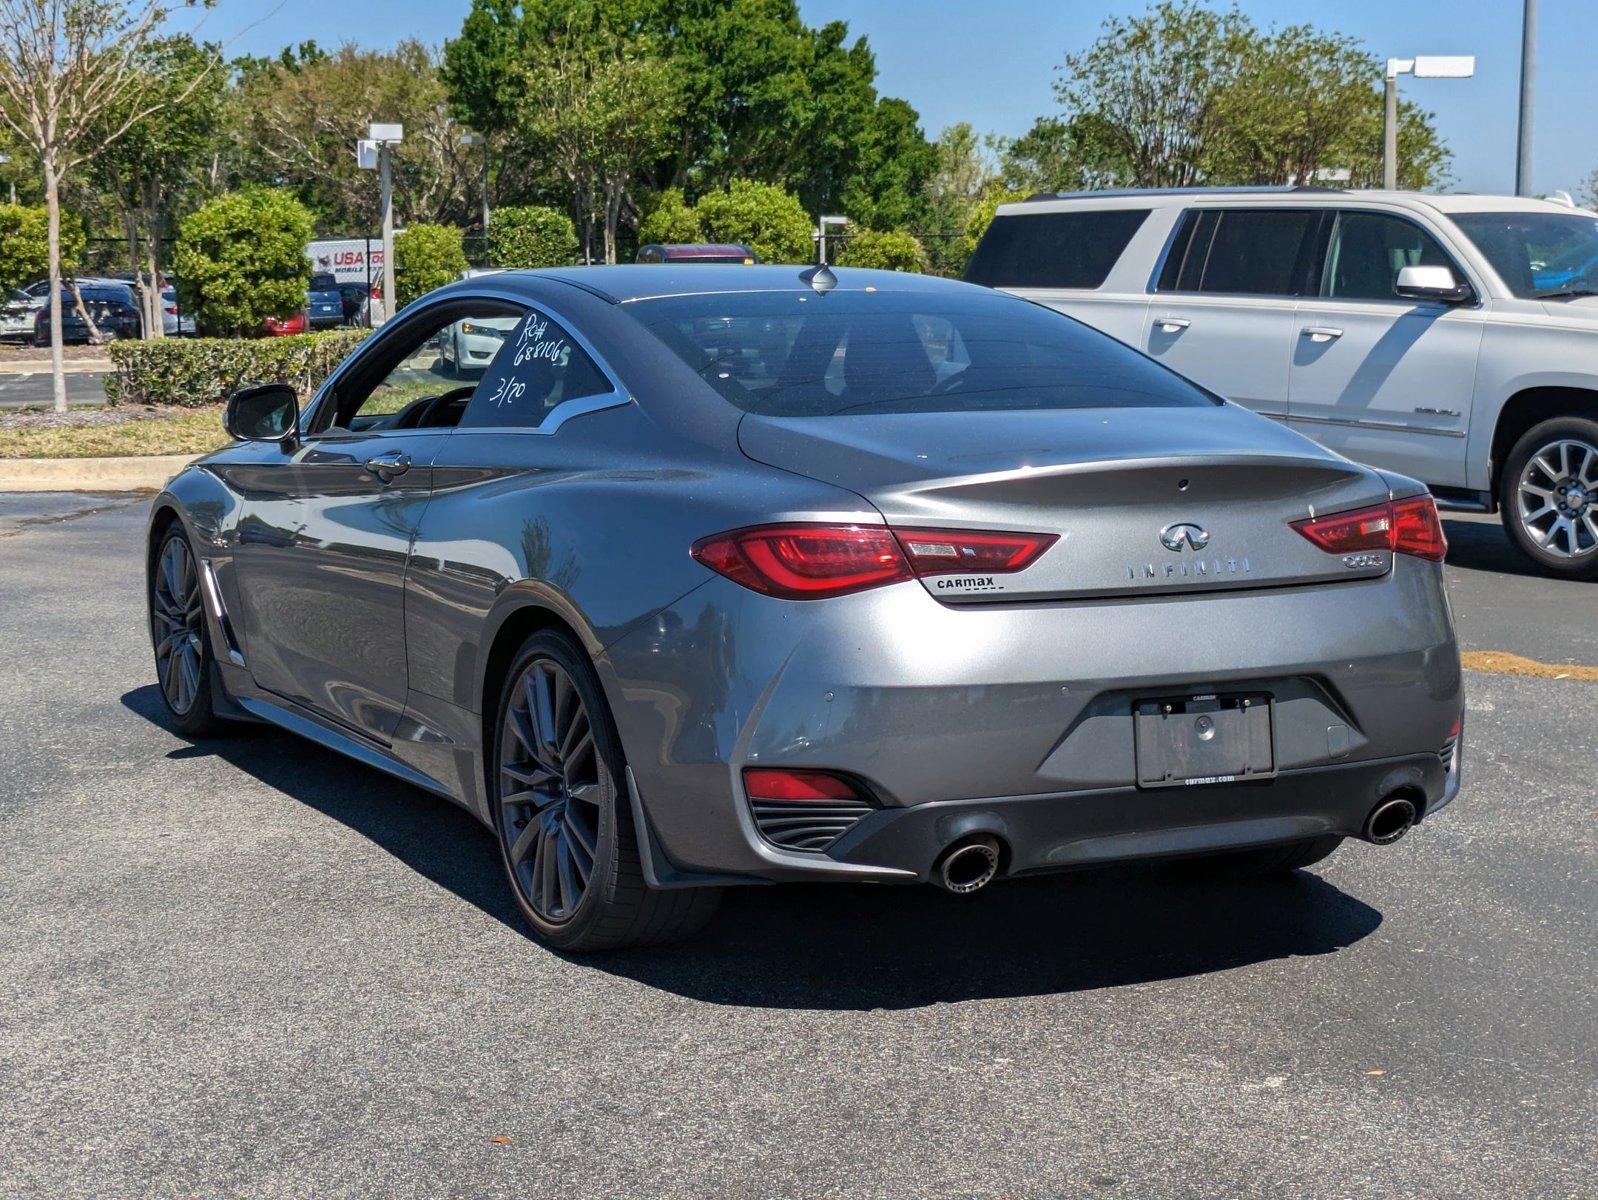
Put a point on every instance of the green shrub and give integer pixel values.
(25, 245)
(768, 220)
(426, 257)
(240, 259)
(196, 371)
(532, 237)
(670, 221)
(884, 250)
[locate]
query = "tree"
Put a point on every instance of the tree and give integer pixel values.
(240, 259)
(963, 175)
(888, 186)
(883, 250)
(1185, 95)
(596, 106)
(300, 115)
(532, 237)
(669, 220)
(768, 220)
(25, 244)
(160, 157)
(426, 257)
(65, 65)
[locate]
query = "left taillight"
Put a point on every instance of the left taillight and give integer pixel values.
(1409, 526)
(814, 561)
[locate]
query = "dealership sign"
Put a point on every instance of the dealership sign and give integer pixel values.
(350, 260)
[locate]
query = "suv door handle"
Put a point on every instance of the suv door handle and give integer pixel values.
(389, 464)
(1172, 324)
(1321, 333)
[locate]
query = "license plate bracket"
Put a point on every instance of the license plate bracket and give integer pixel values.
(1196, 739)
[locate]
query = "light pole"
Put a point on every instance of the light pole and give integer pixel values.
(1528, 98)
(383, 138)
(477, 139)
(1436, 66)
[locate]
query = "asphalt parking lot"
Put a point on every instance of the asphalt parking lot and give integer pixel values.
(250, 968)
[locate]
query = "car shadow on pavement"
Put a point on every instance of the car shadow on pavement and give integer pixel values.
(851, 946)
(1484, 546)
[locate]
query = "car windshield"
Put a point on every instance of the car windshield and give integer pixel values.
(792, 354)
(1539, 255)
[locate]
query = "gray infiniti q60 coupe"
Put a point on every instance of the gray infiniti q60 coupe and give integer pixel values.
(726, 575)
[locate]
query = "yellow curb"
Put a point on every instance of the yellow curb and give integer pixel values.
(1499, 662)
(133, 474)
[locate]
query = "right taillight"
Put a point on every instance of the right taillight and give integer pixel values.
(1408, 526)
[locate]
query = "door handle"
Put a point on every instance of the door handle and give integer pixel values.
(1321, 333)
(389, 464)
(1172, 324)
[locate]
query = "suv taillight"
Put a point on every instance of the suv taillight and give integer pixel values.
(1409, 526)
(814, 561)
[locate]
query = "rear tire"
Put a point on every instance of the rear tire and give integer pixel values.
(184, 663)
(1548, 495)
(564, 818)
(1266, 860)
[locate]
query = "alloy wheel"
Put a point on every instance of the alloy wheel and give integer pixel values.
(179, 630)
(1558, 498)
(549, 790)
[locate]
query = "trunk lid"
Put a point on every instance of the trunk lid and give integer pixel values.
(1143, 501)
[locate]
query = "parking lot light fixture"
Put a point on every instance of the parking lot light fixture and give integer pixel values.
(1435, 66)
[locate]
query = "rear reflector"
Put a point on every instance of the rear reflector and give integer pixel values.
(808, 562)
(763, 783)
(1409, 526)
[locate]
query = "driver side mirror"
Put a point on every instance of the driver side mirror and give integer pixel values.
(264, 412)
(1431, 283)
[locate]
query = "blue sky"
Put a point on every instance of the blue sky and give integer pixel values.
(992, 62)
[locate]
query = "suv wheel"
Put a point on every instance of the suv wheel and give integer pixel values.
(562, 813)
(1549, 496)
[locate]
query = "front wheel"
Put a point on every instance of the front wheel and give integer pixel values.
(563, 816)
(183, 663)
(1549, 496)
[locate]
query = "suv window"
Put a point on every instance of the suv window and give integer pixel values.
(540, 367)
(1250, 252)
(1367, 250)
(1058, 249)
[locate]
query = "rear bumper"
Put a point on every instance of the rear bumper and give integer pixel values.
(1016, 720)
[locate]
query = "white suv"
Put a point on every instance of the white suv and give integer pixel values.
(1451, 338)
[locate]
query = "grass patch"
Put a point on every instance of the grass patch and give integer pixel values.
(193, 432)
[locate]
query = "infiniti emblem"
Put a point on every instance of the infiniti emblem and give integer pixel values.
(1196, 536)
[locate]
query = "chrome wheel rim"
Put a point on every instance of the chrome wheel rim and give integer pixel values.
(549, 791)
(179, 633)
(1557, 497)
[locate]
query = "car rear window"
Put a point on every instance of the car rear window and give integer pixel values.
(1053, 250)
(324, 283)
(793, 354)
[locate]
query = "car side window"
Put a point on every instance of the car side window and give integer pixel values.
(1247, 252)
(1367, 250)
(540, 368)
(426, 378)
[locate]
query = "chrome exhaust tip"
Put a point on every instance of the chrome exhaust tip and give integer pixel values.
(1389, 821)
(968, 866)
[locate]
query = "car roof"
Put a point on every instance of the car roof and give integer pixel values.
(627, 282)
(1291, 196)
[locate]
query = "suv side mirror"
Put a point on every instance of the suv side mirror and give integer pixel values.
(264, 412)
(1431, 283)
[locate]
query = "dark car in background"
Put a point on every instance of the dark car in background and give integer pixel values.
(694, 253)
(324, 303)
(111, 306)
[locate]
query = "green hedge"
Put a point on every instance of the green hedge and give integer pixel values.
(192, 372)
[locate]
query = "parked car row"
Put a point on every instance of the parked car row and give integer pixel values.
(112, 303)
